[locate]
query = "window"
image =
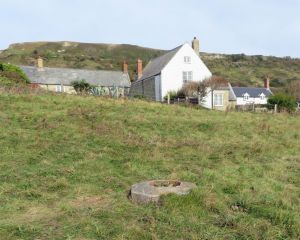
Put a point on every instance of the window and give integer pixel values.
(187, 76)
(218, 99)
(262, 97)
(187, 59)
(246, 97)
(59, 88)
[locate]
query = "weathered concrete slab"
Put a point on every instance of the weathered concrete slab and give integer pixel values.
(151, 191)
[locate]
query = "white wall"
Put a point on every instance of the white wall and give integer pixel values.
(171, 75)
(240, 101)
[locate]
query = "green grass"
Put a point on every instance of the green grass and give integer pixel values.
(67, 163)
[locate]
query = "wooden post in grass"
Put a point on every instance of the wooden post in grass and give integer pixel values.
(275, 108)
(199, 98)
(169, 98)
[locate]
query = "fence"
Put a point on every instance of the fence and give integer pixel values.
(183, 101)
(270, 108)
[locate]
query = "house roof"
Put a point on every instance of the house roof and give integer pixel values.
(65, 76)
(156, 65)
(253, 92)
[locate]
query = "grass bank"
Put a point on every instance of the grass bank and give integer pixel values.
(67, 163)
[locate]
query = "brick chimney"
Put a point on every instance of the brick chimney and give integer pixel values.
(196, 46)
(139, 68)
(125, 67)
(40, 63)
(267, 82)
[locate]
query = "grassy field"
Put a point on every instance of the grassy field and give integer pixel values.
(67, 163)
(239, 69)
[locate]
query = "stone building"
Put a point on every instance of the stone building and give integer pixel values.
(115, 83)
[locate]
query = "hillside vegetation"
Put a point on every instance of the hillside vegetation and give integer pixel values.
(67, 163)
(238, 69)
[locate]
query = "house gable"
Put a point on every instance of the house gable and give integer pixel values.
(172, 75)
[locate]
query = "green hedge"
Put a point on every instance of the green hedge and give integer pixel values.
(284, 102)
(12, 75)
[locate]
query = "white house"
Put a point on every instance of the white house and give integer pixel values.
(251, 95)
(169, 72)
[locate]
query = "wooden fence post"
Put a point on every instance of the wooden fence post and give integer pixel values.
(199, 99)
(169, 98)
(275, 108)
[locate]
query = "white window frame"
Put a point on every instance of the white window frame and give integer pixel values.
(246, 97)
(59, 88)
(187, 76)
(262, 97)
(218, 99)
(187, 59)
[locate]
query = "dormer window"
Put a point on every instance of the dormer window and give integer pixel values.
(187, 59)
(262, 96)
(246, 97)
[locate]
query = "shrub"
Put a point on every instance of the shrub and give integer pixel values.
(81, 86)
(284, 102)
(12, 75)
(173, 95)
(141, 97)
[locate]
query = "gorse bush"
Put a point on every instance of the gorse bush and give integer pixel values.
(12, 75)
(81, 86)
(284, 102)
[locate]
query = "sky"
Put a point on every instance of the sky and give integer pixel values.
(263, 27)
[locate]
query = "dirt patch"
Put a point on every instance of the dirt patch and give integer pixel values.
(92, 201)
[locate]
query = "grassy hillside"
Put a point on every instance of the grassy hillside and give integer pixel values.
(67, 163)
(239, 69)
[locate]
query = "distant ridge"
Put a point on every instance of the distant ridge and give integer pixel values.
(239, 69)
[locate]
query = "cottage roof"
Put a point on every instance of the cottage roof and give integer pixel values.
(156, 65)
(252, 91)
(65, 76)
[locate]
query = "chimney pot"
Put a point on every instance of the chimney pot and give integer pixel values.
(267, 82)
(125, 67)
(139, 68)
(196, 46)
(40, 63)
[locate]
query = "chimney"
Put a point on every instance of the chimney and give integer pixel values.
(139, 68)
(125, 67)
(196, 46)
(40, 63)
(267, 82)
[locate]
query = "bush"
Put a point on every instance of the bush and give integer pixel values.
(284, 102)
(141, 97)
(12, 75)
(173, 95)
(81, 86)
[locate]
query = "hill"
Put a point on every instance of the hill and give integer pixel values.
(67, 163)
(239, 69)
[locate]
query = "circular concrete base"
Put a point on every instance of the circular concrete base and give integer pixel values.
(151, 191)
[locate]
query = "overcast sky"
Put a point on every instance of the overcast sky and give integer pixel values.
(268, 27)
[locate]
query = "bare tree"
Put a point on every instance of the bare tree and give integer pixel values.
(194, 89)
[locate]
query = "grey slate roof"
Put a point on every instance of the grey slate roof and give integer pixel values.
(253, 92)
(156, 65)
(65, 76)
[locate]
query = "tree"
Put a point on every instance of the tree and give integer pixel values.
(284, 102)
(294, 89)
(194, 89)
(81, 87)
